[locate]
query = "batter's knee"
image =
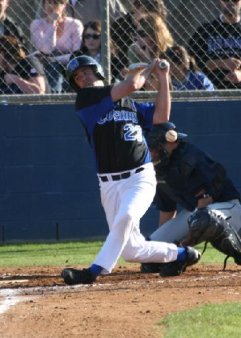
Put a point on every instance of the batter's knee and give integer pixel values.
(130, 254)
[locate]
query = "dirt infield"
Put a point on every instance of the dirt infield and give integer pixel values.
(36, 303)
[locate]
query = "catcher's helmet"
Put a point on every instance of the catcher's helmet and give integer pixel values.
(80, 62)
(162, 133)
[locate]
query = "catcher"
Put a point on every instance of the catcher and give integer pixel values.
(190, 178)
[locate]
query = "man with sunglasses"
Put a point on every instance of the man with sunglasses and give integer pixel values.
(217, 48)
(114, 124)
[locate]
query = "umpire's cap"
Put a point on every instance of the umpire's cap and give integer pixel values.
(80, 62)
(162, 133)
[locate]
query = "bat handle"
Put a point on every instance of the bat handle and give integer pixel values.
(163, 64)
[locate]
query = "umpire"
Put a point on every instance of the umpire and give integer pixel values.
(187, 176)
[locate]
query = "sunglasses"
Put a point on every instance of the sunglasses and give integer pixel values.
(91, 36)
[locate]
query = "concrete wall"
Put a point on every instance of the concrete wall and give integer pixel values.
(48, 187)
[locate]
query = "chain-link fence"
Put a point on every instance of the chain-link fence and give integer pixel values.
(200, 39)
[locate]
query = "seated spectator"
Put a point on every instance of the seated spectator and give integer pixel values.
(91, 42)
(184, 72)
(56, 36)
(91, 46)
(152, 38)
(7, 25)
(123, 30)
(19, 74)
(216, 46)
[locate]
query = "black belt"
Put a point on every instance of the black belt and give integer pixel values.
(120, 176)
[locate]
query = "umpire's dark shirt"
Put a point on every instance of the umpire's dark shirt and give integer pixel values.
(187, 172)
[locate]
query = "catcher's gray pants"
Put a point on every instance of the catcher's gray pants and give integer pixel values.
(177, 229)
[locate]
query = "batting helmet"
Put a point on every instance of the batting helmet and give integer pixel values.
(80, 62)
(162, 133)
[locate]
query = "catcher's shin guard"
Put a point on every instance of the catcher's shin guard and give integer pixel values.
(205, 225)
(74, 276)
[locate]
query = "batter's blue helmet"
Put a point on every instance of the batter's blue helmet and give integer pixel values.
(80, 62)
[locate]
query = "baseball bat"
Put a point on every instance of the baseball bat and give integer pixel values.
(163, 64)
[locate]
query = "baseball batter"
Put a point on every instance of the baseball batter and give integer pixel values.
(114, 124)
(189, 177)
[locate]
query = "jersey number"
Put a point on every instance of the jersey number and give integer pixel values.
(132, 133)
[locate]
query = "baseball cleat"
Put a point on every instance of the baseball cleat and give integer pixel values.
(74, 276)
(176, 268)
(150, 267)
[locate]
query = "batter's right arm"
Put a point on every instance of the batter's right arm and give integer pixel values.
(133, 82)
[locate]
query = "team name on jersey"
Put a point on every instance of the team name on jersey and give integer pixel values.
(119, 115)
(219, 43)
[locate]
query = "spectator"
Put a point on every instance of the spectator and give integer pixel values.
(184, 72)
(216, 46)
(123, 30)
(91, 46)
(19, 74)
(7, 25)
(152, 39)
(184, 16)
(56, 36)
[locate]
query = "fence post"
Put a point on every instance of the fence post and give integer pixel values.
(105, 40)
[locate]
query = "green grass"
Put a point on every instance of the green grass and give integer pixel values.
(69, 253)
(212, 320)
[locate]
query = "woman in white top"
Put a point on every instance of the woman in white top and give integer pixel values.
(56, 36)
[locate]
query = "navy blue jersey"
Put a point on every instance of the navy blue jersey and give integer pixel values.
(188, 171)
(193, 81)
(115, 129)
(216, 40)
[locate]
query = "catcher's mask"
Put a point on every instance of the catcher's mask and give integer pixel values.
(80, 62)
(160, 135)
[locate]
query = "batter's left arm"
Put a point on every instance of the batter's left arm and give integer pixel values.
(163, 97)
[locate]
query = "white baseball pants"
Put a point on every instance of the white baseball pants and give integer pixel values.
(125, 201)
